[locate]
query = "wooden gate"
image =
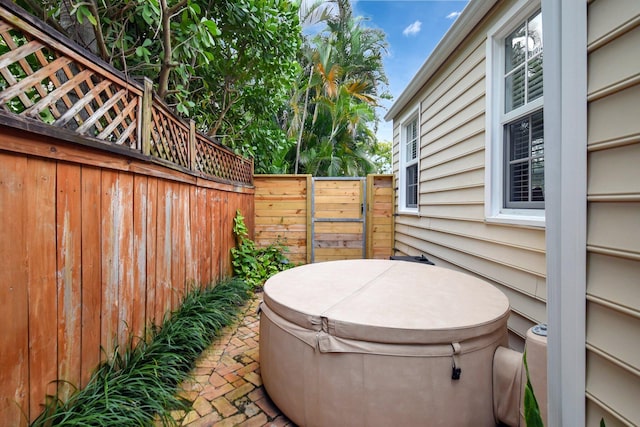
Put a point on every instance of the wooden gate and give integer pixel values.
(338, 220)
(288, 209)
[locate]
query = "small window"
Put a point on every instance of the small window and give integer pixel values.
(412, 186)
(523, 64)
(410, 147)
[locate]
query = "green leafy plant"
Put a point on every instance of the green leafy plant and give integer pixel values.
(253, 264)
(138, 385)
(531, 408)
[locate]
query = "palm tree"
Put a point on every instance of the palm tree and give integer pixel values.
(333, 109)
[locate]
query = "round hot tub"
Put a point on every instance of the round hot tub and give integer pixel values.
(381, 343)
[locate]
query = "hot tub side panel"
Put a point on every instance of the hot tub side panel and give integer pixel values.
(358, 389)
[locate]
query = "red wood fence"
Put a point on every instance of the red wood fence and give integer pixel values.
(111, 208)
(93, 247)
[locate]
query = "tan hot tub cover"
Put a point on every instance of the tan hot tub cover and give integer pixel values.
(378, 343)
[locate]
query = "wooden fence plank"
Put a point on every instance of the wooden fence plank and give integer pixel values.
(40, 241)
(226, 221)
(215, 201)
(152, 220)
(177, 251)
(308, 217)
(125, 266)
(110, 261)
(91, 271)
(380, 216)
(204, 203)
(168, 246)
(183, 227)
(337, 198)
(14, 376)
(139, 267)
(69, 242)
(193, 251)
(163, 252)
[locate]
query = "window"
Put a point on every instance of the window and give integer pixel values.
(524, 165)
(409, 155)
(515, 124)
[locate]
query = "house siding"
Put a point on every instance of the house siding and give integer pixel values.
(613, 224)
(450, 228)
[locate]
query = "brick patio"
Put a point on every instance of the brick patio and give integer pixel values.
(226, 388)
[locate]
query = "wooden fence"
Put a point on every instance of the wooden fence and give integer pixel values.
(380, 221)
(111, 208)
(94, 247)
(283, 211)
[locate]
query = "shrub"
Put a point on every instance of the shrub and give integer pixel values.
(252, 264)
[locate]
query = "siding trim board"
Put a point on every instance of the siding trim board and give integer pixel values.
(565, 115)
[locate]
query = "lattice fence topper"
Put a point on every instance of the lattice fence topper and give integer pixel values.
(169, 137)
(42, 83)
(44, 79)
(212, 160)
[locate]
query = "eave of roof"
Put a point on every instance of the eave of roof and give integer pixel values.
(472, 14)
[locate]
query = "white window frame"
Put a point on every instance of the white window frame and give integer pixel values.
(495, 210)
(402, 173)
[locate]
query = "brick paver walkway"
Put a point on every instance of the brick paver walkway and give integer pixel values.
(226, 388)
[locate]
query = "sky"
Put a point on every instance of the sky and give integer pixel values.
(413, 29)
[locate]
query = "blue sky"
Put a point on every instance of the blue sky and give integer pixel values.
(413, 28)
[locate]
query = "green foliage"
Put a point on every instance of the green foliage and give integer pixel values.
(242, 71)
(381, 156)
(139, 382)
(531, 409)
(333, 110)
(252, 264)
(268, 145)
(228, 64)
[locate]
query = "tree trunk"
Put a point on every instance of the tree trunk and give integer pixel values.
(304, 119)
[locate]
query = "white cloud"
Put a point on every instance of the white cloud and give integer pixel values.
(412, 29)
(453, 15)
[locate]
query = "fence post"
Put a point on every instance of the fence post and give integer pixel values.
(370, 179)
(193, 165)
(145, 122)
(309, 224)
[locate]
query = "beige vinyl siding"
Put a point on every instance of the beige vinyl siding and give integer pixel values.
(450, 227)
(613, 226)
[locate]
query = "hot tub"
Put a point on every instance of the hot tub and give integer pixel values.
(381, 343)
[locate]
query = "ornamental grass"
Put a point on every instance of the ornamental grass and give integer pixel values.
(137, 386)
